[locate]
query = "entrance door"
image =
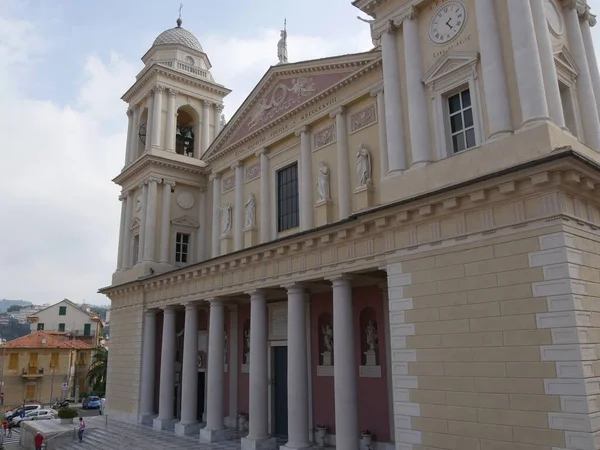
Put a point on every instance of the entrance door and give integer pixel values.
(279, 378)
(200, 407)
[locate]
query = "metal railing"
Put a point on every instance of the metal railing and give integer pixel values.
(46, 444)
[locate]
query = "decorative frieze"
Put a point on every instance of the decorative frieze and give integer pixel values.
(228, 184)
(252, 172)
(324, 137)
(363, 118)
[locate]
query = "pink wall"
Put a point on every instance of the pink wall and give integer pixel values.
(243, 379)
(226, 374)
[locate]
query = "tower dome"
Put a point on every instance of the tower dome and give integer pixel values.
(179, 36)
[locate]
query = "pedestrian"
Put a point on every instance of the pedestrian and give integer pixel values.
(10, 427)
(81, 429)
(38, 439)
(5, 427)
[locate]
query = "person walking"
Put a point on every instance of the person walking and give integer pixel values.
(81, 429)
(5, 427)
(10, 427)
(38, 439)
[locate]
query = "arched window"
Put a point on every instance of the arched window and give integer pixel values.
(185, 137)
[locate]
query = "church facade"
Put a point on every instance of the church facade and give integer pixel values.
(398, 248)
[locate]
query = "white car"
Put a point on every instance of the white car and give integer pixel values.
(39, 414)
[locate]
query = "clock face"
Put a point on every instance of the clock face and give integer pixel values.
(554, 18)
(447, 21)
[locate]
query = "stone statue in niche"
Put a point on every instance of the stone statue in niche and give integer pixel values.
(223, 121)
(327, 332)
(363, 167)
(323, 191)
(226, 213)
(247, 335)
(250, 212)
(372, 338)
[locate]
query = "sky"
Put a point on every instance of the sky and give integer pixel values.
(64, 66)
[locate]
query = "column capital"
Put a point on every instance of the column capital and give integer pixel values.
(411, 14)
(376, 91)
(342, 279)
(214, 176)
(123, 195)
(134, 108)
(294, 288)
(579, 5)
(257, 294)
(152, 180)
(190, 304)
(215, 301)
(206, 103)
(589, 18)
(129, 112)
(302, 129)
(337, 112)
(158, 89)
(262, 151)
(236, 165)
(170, 309)
(170, 183)
(219, 107)
(172, 92)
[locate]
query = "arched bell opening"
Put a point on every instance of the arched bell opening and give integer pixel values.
(185, 136)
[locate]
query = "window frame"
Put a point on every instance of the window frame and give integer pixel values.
(87, 327)
(61, 325)
(185, 225)
(40, 326)
(448, 119)
(442, 84)
(277, 170)
(13, 361)
(188, 244)
(567, 74)
(62, 310)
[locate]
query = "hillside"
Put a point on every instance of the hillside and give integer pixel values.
(5, 304)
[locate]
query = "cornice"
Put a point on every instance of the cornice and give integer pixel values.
(156, 69)
(149, 161)
(555, 181)
(366, 69)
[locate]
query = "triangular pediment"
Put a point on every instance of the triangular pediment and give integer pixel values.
(565, 64)
(449, 64)
(283, 89)
(135, 223)
(185, 221)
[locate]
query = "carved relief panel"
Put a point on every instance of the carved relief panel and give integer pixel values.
(363, 118)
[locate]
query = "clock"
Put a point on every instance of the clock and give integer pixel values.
(554, 17)
(447, 21)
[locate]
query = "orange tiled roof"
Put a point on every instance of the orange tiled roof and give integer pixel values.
(34, 340)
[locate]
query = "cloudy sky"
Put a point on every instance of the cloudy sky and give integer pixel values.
(63, 67)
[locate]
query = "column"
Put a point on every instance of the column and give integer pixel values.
(215, 428)
(298, 427)
(589, 20)
(157, 115)
(205, 137)
(343, 163)
(149, 120)
(218, 112)
(265, 196)
(165, 222)
(123, 200)
(202, 220)
(166, 414)
(344, 369)
(258, 436)
(150, 225)
(394, 120)
(544, 43)
(129, 131)
(148, 367)
(142, 236)
(134, 137)
(418, 117)
(189, 374)
(232, 362)
(171, 121)
(381, 129)
(238, 212)
(528, 68)
(492, 70)
(127, 260)
(306, 206)
(585, 88)
(215, 178)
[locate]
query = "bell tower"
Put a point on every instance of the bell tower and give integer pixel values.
(174, 113)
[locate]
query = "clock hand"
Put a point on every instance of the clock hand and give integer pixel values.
(448, 23)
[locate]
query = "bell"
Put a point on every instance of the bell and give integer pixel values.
(188, 138)
(178, 132)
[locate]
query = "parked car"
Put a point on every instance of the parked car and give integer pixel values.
(91, 402)
(38, 414)
(17, 411)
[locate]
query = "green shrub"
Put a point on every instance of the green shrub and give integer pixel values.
(67, 413)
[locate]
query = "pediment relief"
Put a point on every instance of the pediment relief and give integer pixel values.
(450, 65)
(283, 89)
(565, 64)
(185, 221)
(135, 224)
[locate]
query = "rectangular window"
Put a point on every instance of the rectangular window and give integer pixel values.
(33, 359)
(182, 248)
(61, 327)
(40, 326)
(62, 310)
(136, 248)
(288, 204)
(54, 360)
(87, 329)
(462, 125)
(13, 363)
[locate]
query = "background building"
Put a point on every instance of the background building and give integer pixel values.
(413, 229)
(36, 366)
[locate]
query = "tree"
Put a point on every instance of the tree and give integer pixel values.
(14, 308)
(96, 375)
(14, 330)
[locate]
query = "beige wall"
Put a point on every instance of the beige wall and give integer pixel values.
(74, 320)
